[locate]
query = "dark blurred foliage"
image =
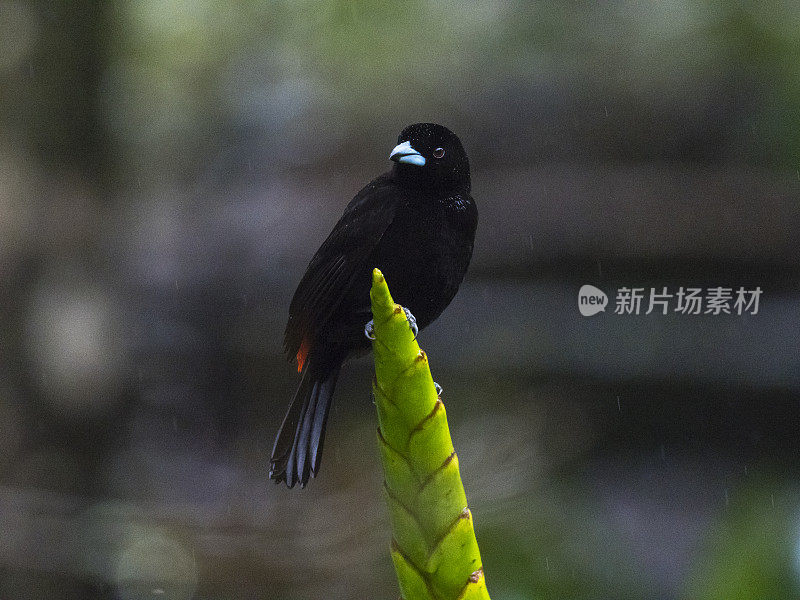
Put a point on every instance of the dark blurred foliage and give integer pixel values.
(168, 168)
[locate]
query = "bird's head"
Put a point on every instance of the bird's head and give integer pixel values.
(431, 155)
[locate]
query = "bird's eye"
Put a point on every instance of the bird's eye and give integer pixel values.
(438, 153)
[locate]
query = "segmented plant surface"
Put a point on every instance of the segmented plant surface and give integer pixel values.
(434, 549)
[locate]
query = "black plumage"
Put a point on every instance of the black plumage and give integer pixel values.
(417, 224)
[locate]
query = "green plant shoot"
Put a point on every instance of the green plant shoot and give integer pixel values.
(434, 549)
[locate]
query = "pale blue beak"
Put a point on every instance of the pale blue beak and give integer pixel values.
(405, 153)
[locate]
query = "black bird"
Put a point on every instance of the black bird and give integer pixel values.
(416, 223)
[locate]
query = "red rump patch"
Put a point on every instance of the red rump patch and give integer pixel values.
(302, 353)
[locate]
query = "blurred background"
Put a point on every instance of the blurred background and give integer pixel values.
(167, 169)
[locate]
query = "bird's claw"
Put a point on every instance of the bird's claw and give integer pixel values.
(412, 322)
(439, 389)
(369, 328)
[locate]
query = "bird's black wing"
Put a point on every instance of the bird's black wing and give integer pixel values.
(340, 259)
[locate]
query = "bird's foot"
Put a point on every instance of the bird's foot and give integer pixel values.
(439, 389)
(369, 330)
(412, 322)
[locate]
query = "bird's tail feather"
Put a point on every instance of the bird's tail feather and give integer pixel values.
(297, 451)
